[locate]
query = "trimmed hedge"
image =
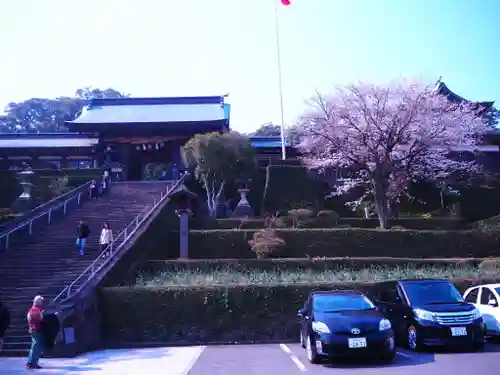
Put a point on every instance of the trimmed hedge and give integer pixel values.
(291, 264)
(478, 203)
(289, 187)
(351, 242)
(328, 222)
(407, 223)
(203, 315)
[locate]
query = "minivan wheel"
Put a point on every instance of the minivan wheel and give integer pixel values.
(312, 355)
(413, 338)
(478, 346)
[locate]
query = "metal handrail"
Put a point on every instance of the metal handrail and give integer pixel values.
(115, 246)
(73, 194)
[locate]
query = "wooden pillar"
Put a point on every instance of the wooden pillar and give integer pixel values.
(125, 159)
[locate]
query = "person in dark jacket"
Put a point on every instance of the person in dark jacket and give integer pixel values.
(82, 233)
(94, 190)
(4, 321)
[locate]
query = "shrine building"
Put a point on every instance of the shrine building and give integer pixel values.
(126, 134)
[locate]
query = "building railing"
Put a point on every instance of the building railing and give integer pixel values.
(106, 256)
(44, 215)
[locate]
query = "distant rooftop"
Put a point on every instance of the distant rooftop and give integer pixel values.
(444, 90)
(267, 141)
(154, 110)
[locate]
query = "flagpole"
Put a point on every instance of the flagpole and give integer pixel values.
(280, 82)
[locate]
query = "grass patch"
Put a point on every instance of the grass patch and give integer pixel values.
(227, 276)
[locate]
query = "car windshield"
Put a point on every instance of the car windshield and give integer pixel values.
(340, 302)
(431, 293)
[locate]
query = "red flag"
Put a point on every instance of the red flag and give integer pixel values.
(286, 2)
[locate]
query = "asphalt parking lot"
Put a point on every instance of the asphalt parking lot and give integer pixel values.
(275, 359)
(291, 359)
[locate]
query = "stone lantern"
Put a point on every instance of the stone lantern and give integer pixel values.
(243, 208)
(25, 201)
(182, 198)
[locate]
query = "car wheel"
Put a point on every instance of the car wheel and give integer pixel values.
(413, 338)
(302, 342)
(312, 355)
(389, 357)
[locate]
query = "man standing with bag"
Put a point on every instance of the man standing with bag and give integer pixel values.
(35, 317)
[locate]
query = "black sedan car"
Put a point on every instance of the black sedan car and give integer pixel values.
(344, 323)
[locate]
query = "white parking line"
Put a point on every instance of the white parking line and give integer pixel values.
(285, 348)
(404, 355)
(295, 360)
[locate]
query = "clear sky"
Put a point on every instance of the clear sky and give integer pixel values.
(49, 48)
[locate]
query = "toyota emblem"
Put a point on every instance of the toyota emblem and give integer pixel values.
(355, 331)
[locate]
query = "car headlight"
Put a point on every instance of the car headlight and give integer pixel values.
(476, 314)
(425, 315)
(320, 327)
(384, 325)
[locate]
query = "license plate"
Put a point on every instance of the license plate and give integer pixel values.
(319, 347)
(357, 343)
(458, 331)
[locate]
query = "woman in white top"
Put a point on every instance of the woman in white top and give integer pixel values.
(106, 236)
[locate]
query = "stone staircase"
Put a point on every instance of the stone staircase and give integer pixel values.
(45, 263)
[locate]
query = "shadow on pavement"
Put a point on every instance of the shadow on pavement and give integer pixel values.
(122, 355)
(403, 359)
(488, 348)
(69, 368)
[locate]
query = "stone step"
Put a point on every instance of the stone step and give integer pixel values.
(16, 351)
(46, 262)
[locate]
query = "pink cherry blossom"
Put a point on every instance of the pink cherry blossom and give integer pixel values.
(391, 135)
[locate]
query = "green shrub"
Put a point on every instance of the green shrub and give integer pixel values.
(291, 187)
(490, 225)
(353, 242)
(216, 314)
(299, 217)
(152, 267)
(490, 265)
(329, 214)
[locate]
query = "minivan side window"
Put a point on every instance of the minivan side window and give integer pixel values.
(389, 293)
(472, 296)
(486, 296)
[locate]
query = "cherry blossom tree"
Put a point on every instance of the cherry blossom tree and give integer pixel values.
(390, 136)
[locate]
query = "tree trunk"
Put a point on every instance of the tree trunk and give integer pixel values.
(213, 197)
(382, 205)
(382, 213)
(441, 196)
